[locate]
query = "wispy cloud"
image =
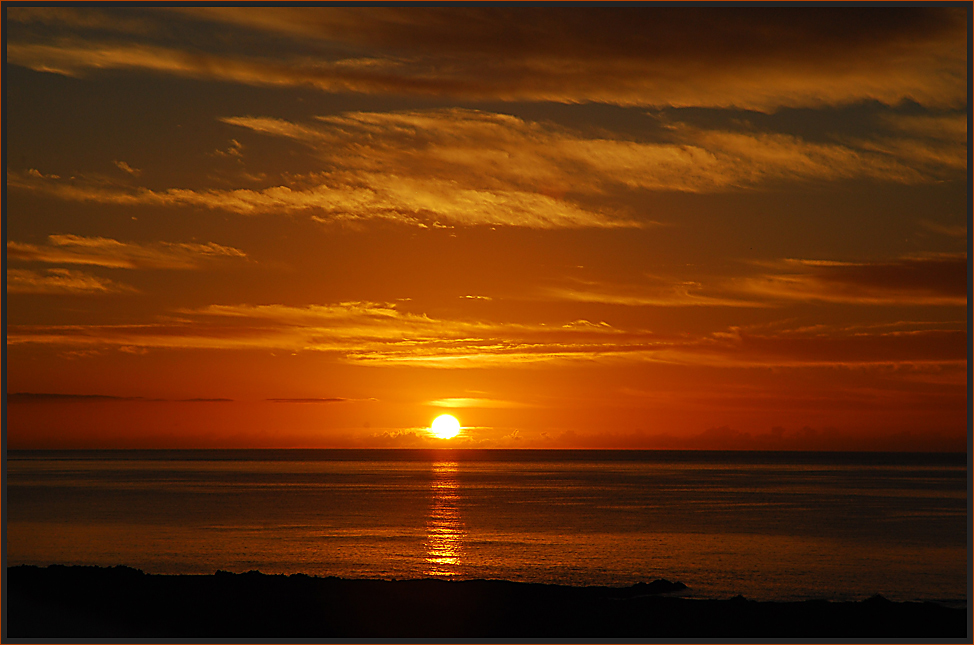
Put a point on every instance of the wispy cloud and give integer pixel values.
(653, 293)
(51, 397)
(466, 402)
(494, 150)
(107, 252)
(625, 56)
(124, 167)
(354, 331)
(379, 334)
(62, 281)
(347, 197)
(934, 279)
(83, 18)
(74, 57)
(922, 280)
(44, 397)
(328, 400)
(929, 143)
(950, 231)
(466, 167)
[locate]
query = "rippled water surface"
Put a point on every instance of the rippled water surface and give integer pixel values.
(766, 525)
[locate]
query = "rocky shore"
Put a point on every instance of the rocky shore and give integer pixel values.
(120, 602)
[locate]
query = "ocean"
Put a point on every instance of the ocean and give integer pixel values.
(768, 525)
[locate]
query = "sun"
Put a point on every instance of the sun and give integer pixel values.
(445, 426)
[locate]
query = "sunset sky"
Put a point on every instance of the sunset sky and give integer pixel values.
(568, 227)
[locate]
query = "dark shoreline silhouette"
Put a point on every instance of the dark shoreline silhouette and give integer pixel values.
(121, 602)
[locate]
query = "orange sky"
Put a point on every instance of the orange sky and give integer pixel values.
(570, 228)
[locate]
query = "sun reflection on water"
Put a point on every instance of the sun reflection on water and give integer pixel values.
(444, 528)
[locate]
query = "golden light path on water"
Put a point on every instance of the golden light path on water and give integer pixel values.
(444, 528)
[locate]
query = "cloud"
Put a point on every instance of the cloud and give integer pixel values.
(62, 282)
(471, 168)
(659, 293)
(751, 158)
(491, 151)
(124, 167)
(416, 438)
(329, 400)
(918, 349)
(233, 151)
(350, 197)
(379, 334)
(744, 57)
(204, 400)
(43, 397)
(464, 402)
(85, 18)
(49, 397)
(74, 57)
(360, 332)
(922, 280)
(931, 143)
(110, 253)
(950, 231)
(939, 279)
(949, 128)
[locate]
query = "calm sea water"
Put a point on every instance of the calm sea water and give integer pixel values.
(771, 526)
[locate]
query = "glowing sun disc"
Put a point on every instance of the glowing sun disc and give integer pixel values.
(445, 426)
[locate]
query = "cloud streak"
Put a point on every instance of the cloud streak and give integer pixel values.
(933, 279)
(924, 280)
(652, 56)
(461, 167)
(124, 167)
(329, 400)
(679, 294)
(110, 253)
(467, 402)
(62, 282)
(471, 146)
(350, 197)
(51, 397)
(380, 334)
